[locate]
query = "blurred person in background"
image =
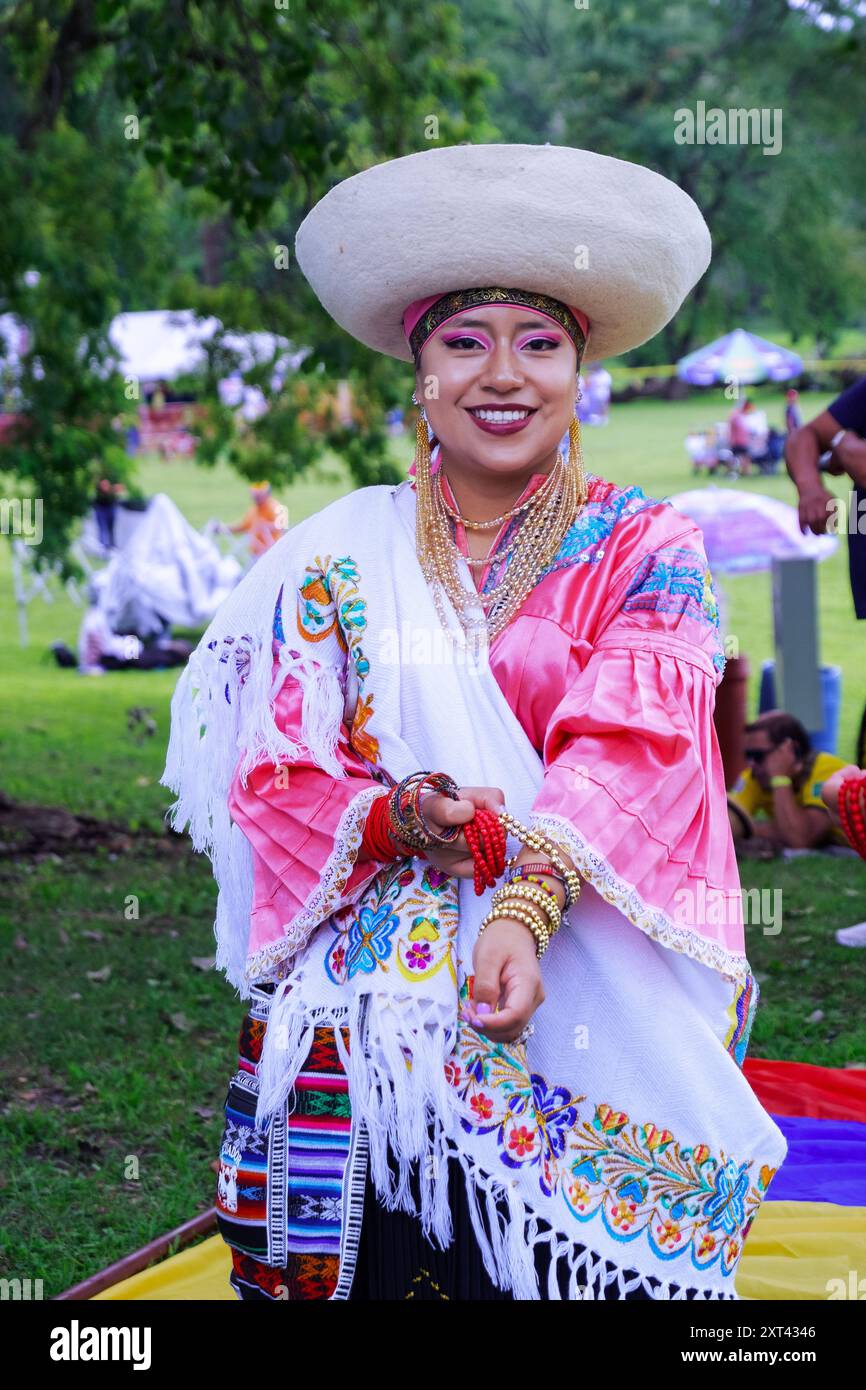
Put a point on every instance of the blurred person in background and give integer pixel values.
(740, 436)
(793, 418)
(834, 443)
(264, 521)
(783, 780)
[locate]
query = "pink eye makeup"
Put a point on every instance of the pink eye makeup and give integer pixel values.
(466, 340)
(547, 340)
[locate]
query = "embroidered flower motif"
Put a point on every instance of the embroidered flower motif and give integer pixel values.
(330, 604)
(419, 955)
(452, 1073)
(584, 541)
(363, 743)
(636, 1178)
(578, 1195)
(623, 1214)
(521, 1141)
(556, 1113)
(435, 879)
(727, 1206)
(669, 1233)
(395, 925)
(367, 943)
(482, 1105)
(675, 579)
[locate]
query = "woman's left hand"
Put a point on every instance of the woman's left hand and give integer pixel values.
(508, 974)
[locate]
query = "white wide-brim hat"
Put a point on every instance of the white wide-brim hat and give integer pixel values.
(614, 239)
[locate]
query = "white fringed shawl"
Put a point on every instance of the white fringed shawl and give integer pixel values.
(623, 1132)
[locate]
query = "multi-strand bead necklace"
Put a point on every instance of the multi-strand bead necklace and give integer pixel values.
(547, 515)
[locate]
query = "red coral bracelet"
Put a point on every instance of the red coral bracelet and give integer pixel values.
(852, 811)
(485, 836)
(378, 840)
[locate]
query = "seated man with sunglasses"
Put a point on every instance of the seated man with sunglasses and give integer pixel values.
(783, 779)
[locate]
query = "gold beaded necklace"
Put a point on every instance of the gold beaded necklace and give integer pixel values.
(542, 492)
(506, 516)
(483, 616)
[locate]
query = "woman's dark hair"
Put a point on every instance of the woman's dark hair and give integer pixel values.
(778, 726)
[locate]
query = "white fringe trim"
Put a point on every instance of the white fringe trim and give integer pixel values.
(398, 1092)
(222, 722)
(653, 921)
(408, 1111)
(327, 896)
(509, 1255)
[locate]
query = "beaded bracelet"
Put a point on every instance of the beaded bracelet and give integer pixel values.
(535, 840)
(851, 802)
(506, 903)
(515, 870)
(543, 897)
(531, 917)
(536, 873)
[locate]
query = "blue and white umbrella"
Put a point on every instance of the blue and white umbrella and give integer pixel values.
(739, 356)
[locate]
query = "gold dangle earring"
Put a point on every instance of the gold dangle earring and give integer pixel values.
(423, 479)
(575, 460)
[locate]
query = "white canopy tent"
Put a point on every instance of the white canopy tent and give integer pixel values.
(162, 344)
(154, 345)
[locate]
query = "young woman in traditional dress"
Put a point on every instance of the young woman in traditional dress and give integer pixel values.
(461, 1077)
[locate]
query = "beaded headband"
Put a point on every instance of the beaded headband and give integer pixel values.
(457, 301)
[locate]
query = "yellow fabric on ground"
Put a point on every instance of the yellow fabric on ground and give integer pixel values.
(793, 1251)
(199, 1274)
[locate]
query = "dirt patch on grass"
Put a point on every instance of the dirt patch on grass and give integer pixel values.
(38, 832)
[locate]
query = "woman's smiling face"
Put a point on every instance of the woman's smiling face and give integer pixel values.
(498, 384)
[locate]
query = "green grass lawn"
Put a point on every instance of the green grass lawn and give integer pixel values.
(118, 1044)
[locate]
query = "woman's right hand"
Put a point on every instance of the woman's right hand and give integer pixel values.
(442, 812)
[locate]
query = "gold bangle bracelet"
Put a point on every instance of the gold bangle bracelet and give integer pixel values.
(545, 900)
(542, 896)
(538, 841)
(504, 906)
(510, 909)
(542, 937)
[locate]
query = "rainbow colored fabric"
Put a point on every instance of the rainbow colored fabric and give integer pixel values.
(809, 1240)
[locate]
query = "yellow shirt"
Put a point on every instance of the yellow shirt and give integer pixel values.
(750, 795)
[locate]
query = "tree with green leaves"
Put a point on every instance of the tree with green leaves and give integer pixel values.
(125, 127)
(787, 229)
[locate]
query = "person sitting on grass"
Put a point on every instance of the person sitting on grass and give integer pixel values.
(101, 649)
(783, 779)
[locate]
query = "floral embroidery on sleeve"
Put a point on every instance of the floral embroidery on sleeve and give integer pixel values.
(677, 580)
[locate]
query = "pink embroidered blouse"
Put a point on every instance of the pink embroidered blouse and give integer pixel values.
(611, 666)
